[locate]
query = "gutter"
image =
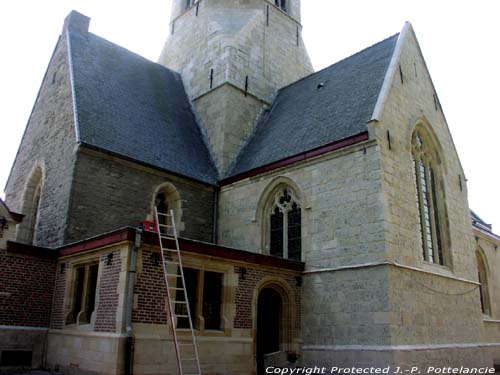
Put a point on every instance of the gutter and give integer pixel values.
(129, 303)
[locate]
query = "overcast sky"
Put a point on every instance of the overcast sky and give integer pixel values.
(459, 39)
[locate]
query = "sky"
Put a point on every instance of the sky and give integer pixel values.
(459, 40)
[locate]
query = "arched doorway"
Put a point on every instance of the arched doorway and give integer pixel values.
(269, 325)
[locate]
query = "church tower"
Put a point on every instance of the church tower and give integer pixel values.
(233, 55)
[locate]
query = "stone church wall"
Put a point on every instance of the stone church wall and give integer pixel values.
(48, 143)
(488, 245)
(110, 193)
(435, 309)
(345, 301)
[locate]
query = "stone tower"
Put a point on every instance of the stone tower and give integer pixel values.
(233, 55)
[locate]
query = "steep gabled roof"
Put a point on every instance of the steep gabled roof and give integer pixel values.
(480, 223)
(132, 107)
(8, 214)
(328, 106)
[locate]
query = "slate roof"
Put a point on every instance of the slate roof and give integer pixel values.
(137, 109)
(330, 105)
(130, 106)
(477, 221)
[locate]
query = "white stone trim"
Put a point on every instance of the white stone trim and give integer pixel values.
(72, 332)
(387, 263)
(383, 348)
(488, 320)
(23, 328)
(390, 74)
(73, 89)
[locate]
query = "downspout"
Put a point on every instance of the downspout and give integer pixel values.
(215, 215)
(129, 304)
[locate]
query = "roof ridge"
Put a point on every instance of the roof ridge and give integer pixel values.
(144, 101)
(137, 55)
(338, 62)
(319, 115)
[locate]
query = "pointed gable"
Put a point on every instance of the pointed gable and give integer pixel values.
(328, 106)
(134, 108)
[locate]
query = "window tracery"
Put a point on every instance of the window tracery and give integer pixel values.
(483, 287)
(285, 225)
(428, 198)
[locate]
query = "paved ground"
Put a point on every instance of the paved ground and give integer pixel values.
(27, 372)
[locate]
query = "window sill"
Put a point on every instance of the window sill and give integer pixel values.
(86, 327)
(205, 332)
(435, 267)
(488, 319)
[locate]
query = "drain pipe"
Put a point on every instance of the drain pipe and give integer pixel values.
(129, 304)
(215, 218)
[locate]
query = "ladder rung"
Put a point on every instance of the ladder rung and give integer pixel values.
(172, 257)
(162, 214)
(167, 237)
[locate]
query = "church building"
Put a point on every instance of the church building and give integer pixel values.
(323, 217)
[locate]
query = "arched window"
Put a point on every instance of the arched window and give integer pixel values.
(284, 218)
(483, 288)
(31, 207)
(166, 198)
(429, 199)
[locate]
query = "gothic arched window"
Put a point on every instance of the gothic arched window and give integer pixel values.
(285, 225)
(429, 199)
(483, 288)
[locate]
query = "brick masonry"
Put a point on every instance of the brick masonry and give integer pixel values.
(26, 289)
(150, 292)
(57, 316)
(108, 294)
(245, 293)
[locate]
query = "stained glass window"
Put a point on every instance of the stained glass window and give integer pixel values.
(285, 226)
(428, 201)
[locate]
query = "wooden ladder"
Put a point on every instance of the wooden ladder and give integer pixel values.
(186, 350)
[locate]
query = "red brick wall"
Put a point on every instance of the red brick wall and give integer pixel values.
(26, 289)
(108, 294)
(245, 291)
(57, 317)
(151, 293)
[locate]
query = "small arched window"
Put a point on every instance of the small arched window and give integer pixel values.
(285, 228)
(429, 199)
(166, 198)
(483, 288)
